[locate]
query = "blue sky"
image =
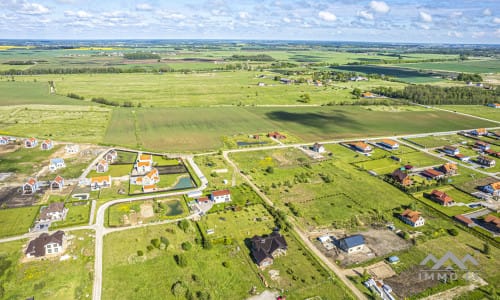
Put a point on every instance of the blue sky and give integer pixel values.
(378, 21)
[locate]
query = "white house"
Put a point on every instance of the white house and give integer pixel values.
(412, 218)
(97, 183)
(4, 140)
(102, 166)
(46, 244)
(46, 145)
(111, 156)
(57, 183)
(318, 148)
(151, 178)
(30, 142)
(72, 149)
(56, 164)
(351, 244)
(31, 186)
(221, 196)
(54, 212)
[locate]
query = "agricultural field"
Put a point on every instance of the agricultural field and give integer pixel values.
(476, 110)
(435, 141)
(25, 162)
(49, 278)
(33, 92)
(467, 66)
(85, 124)
(225, 271)
(401, 74)
(16, 221)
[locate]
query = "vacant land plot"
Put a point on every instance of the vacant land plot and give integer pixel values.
(78, 214)
(134, 213)
(440, 140)
(406, 75)
(25, 162)
(476, 110)
(62, 122)
(467, 66)
(15, 221)
(22, 93)
(49, 278)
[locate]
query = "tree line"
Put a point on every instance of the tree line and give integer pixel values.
(436, 95)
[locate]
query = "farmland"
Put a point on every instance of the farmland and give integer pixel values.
(467, 66)
(401, 74)
(476, 110)
(33, 92)
(17, 221)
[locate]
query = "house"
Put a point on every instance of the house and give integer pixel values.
(368, 95)
(111, 156)
(54, 212)
(267, 248)
(358, 78)
(433, 174)
(449, 169)
(485, 161)
(149, 188)
(97, 183)
(143, 167)
(482, 146)
(441, 198)
(464, 220)
(57, 183)
(276, 135)
(390, 144)
(401, 177)
(493, 188)
(72, 149)
(30, 143)
(451, 150)
(494, 105)
(102, 166)
(221, 196)
(31, 186)
(462, 157)
(360, 146)
(492, 223)
(47, 145)
(479, 132)
(412, 218)
(4, 140)
(203, 200)
(353, 243)
(46, 244)
(318, 148)
(141, 157)
(56, 164)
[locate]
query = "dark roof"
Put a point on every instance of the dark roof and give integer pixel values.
(399, 175)
(264, 246)
(352, 241)
(52, 208)
(37, 246)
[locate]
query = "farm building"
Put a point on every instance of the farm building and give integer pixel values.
(56, 164)
(46, 145)
(360, 146)
(221, 196)
(276, 135)
(451, 150)
(72, 149)
(449, 169)
(54, 212)
(486, 161)
(412, 218)
(441, 198)
(482, 146)
(102, 166)
(46, 244)
(462, 157)
(353, 243)
(31, 186)
(318, 148)
(30, 142)
(479, 132)
(57, 183)
(267, 248)
(401, 177)
(390, 144)
(433, 174)
(97, 183)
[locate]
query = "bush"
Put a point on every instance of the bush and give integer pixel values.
(270, 170)
(186, 246)
(165, 241)
(140, 253)
(155, 243)
(202, 295)
(178, 289)
(225, 264)
(181, 260)
(453, 231)
(149, 247)
(184, 225)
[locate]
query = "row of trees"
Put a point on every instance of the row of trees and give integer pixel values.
(436, 95)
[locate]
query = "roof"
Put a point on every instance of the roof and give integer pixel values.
(393, 258)
(317, 145)
(441, 196)
(31, 181)
(399, 175)
(433, 173)
(36, 247)
(390, 142)
(57, 160)
(411, 215)
(102, 162)
(492, 219)
(448, 147)
(221, 193)
(31, 139)
(481, 143)
(464, 219)
(52, 208)
(100, 179)
(495, 185)
(149, 187)
(144, 164)
(153, 173)
(360, 145)
(203, 199)
(450, 167)
(143, 157)
(484, 158)
(353, 240)
(460, 155)
(481, 130)
(47, 142)
(58, 179)
(264, 246)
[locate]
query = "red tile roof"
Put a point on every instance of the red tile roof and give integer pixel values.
(464, 219)
(411, 215)
(221, 193)
(441, 197)
(432, 173)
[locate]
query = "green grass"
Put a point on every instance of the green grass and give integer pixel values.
(402, 74)
(114, 171)
(440, 140)
(77, 215)
(16, 221)
(32, 93)
(476, 110)
(468, 66)
(25, 162)
(51, 278)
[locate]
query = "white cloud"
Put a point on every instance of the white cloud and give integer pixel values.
(171, 15)
(424, 26)
(496, 20)
(79, 14)
(380, 6)
(456, 14)
(286, 20)
(455, 34)
(478, 34)
(425, 17)
(28, 8)
(487, 12)
(497, 33)
(327, 16)
(365, 15)
(144, 7)
(244, 15)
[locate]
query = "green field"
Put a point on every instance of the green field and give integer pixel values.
(440, 140)
(48, 278)
(401, 74)
(16, 221)
(25, 162)
(467, 66)
(32, 93)
(476, 110)
(152, 276)
(77, 215)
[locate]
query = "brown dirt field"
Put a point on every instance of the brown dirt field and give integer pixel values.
(410, 283)
(9, 148)
(147, 210)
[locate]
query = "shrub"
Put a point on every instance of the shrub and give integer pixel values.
(140, 253)
(150, 247)
(225, 264)
(453, 231)
(155, 243)
(165, 241)
(184, 225)
(181, 260)
(178, 289)
(186, 246)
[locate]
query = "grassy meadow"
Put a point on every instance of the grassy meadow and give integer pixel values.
(16, 221)
(30, 91)
(467, 66)
(476, 110)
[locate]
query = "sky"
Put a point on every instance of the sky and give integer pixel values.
(425, 21)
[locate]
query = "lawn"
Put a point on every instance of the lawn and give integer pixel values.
(49, 278)
(476, 110)
(114, 171)
(78, 214)
(15, 221)
(127, 276)
(210, 164)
